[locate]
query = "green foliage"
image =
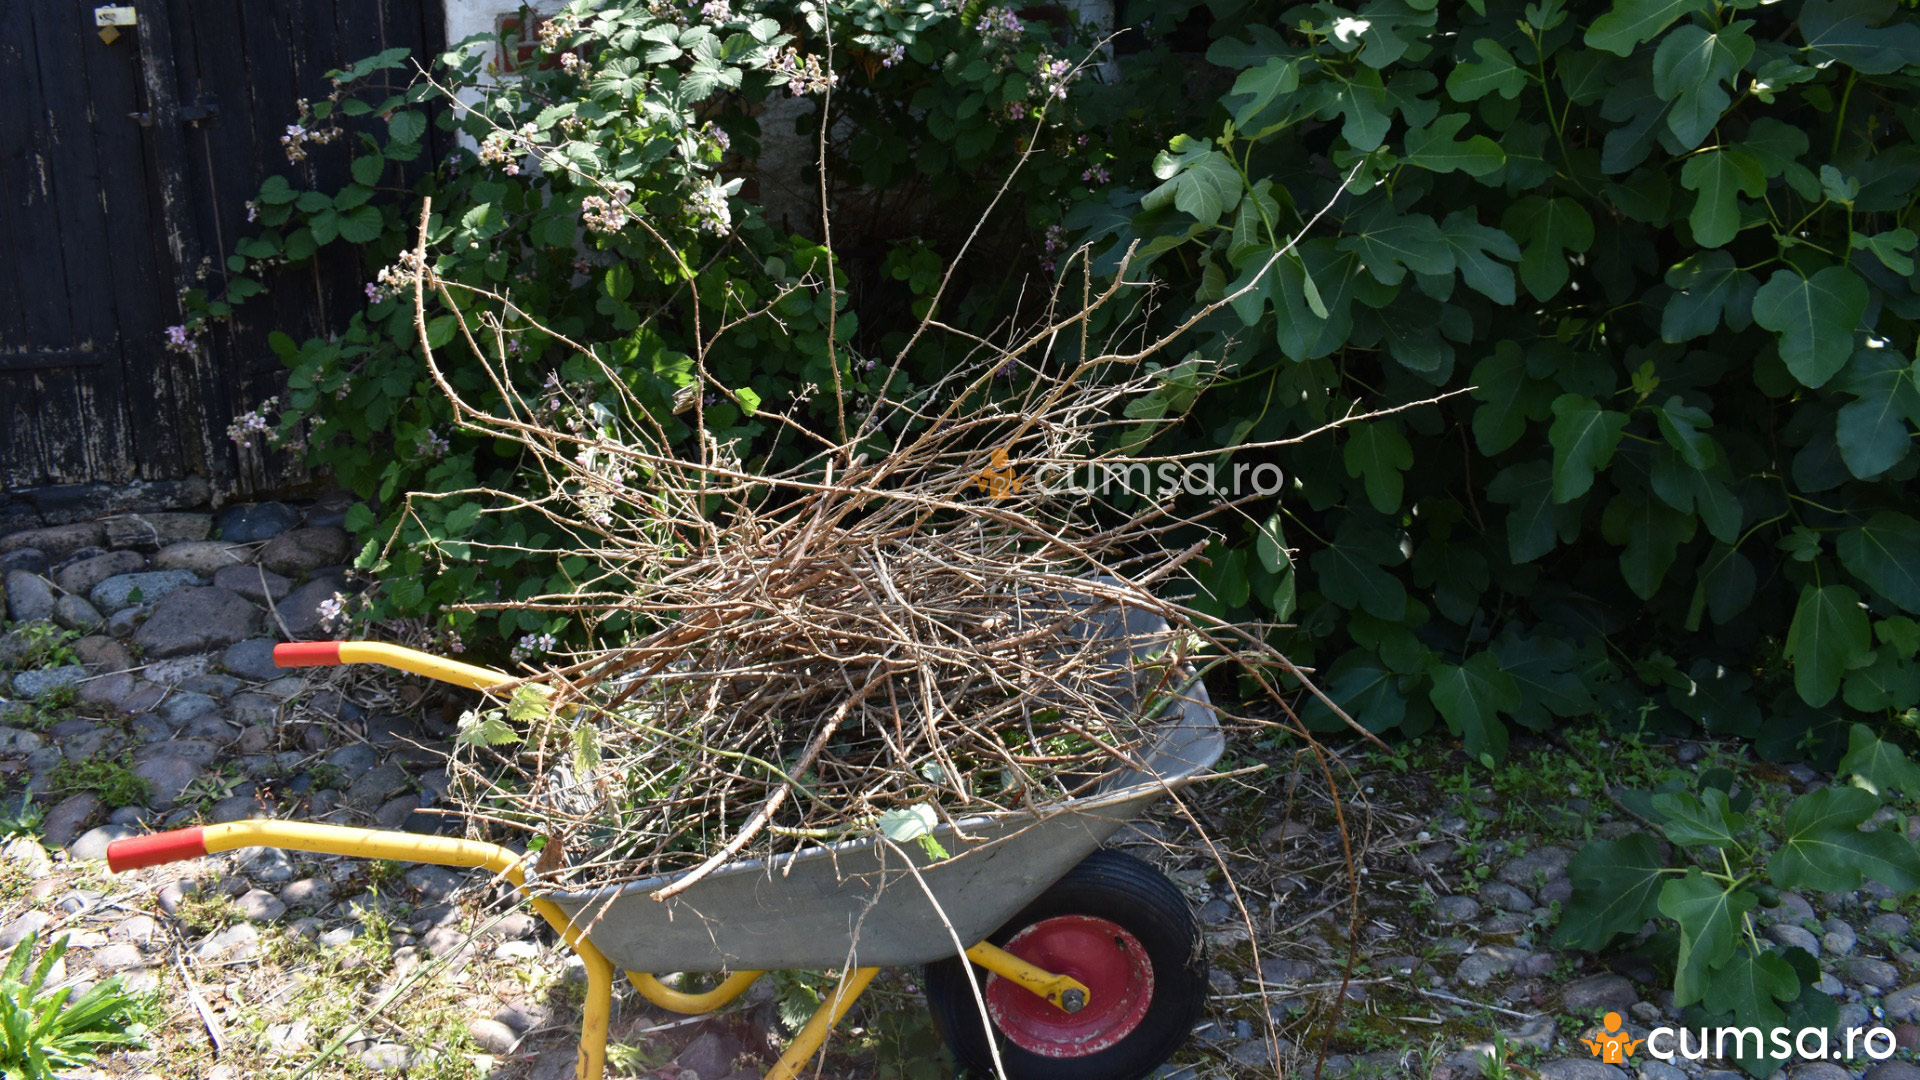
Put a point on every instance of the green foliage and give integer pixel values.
(112, 779)
(1731, 856)
(593, 188)
(42, 1033)
(1666, 248)
(43, 644)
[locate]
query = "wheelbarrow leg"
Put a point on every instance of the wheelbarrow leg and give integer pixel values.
(808, 1042)
(595, 1019)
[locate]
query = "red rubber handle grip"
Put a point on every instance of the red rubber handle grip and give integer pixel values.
(136, 852)
(307, 654)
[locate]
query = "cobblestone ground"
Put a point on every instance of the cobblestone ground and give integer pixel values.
(137, 693)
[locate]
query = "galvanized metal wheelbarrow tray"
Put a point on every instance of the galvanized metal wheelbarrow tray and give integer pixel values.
(855, 906)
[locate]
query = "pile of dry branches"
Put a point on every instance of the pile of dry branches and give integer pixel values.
(896, 626)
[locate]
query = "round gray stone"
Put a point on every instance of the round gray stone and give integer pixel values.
(256, 583)
(29, 597)
(93, 843)
(251, 659)
(1602, 993)
(167, 775)
(74, 613)
(248, 523)
(118, 593)
(68, 817)
(492, 1036)
(1456, 909)
(301, 610)
(299, 551)
(40, 682)
(79, 577)
(203, 557)
(196, 618)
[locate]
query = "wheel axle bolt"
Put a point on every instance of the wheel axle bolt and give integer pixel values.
(1073, 1001)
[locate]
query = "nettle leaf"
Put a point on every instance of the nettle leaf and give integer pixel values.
(1815, 318)
(1390, 245)
(1547, 230)
(1378, 453)
(1348, 572)
(1199, 180)
(1709, 289)
(1476, 250)
(1823, 849)
(1828, 636)
(1509, 399)
(1719, 176)
(1849, 31)
(1634, 21)
(1885, 553)
(1470, 698)
(1710, 916)
(1872, 432)
(1691, 69)
(1880, 763)
(1584, 437)
(1434, 147)
(1616, 885)
(1706, 819)
(1494, 73)
(1537, 522)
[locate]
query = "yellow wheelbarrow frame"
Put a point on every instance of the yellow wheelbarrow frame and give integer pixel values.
(135, 853)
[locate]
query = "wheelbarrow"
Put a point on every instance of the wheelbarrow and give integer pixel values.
(1094, 965)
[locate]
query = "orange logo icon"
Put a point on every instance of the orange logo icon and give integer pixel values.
(998, 479)
(1612, 1045)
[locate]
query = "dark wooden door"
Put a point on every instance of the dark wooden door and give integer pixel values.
(123, 180)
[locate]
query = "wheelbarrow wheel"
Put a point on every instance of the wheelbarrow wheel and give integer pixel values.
(1117, 925)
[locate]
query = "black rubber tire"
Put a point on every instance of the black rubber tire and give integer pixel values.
(1107, 885)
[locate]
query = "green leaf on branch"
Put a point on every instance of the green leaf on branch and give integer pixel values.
(1691, 820)
(1537, 522)
(1476, 251)
(1880, 763)
(1377, 452)
(1815, 318)
(406, 126)
(1873, 432)
(1849, 31)
(1494, 73)
(1389, 245)
(1584, 437)
(1691, 69)
(1894, 248)
(1719, 176)
(1752, 985)
(1470, 698)
(1828, 636)
(1708, 290)
(1548, 229)
(1681, 425)
(1823, 849)
(1198, 180)
(1509, 399)
(1349, 571)
(1885, 553)
(1616, 884)
(1650, 534)
(1631, 22)
(1435, 148)
(1709, 915)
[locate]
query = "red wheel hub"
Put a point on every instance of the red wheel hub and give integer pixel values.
(1115, 968)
